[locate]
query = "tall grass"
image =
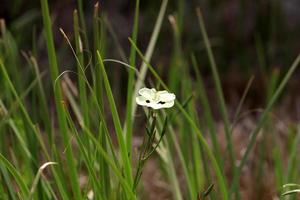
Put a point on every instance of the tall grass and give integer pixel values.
(83, 144)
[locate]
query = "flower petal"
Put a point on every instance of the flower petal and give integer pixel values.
(147, 93)
(140, 100)
(169, 104)
(166, 96)
(158, 105)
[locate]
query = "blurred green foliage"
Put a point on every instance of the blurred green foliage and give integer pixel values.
(249, 36)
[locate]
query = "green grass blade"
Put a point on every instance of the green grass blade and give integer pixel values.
(143, 71)
(80, 71)
(130, 84)
(11, 55)
(272, 83)
(58, 100)
(177, 60)
(41, 94)
(278, 168)
(16, 131)
(219, 91)
(37, 178)
(24, 189)
(290, 185)
(82, 22)
(97, 47)
(239, 107)
(293, 157)
(115, 39)
(111, 163)
(59, 181)
(207, 112)
(291, 192)
(171, 170)
(19, 101)
(84, 151)
(6, 181)
(191, 188)
(117, 124)
(165, 152)
(262, 121)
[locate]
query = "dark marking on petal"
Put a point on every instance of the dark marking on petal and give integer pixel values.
(161, 102)
(147, 101)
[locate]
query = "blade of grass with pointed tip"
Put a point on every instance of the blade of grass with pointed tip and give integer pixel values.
(98, 35)
(98, 42)
(139, 83)
(99, 45)
(80, 71)
(291, 192)
(37, 178)
(130, 84)
(219, 90)
(82, 22)
(117, 123)
(177, 60)
(72, 172)
(241, 102)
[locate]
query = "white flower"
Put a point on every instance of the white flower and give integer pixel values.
(90, 195)
(155, 99)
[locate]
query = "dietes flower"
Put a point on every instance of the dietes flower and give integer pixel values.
(155, 99)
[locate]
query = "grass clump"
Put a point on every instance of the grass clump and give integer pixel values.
(67, 134)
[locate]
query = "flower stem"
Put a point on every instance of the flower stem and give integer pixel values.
(147, 147)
